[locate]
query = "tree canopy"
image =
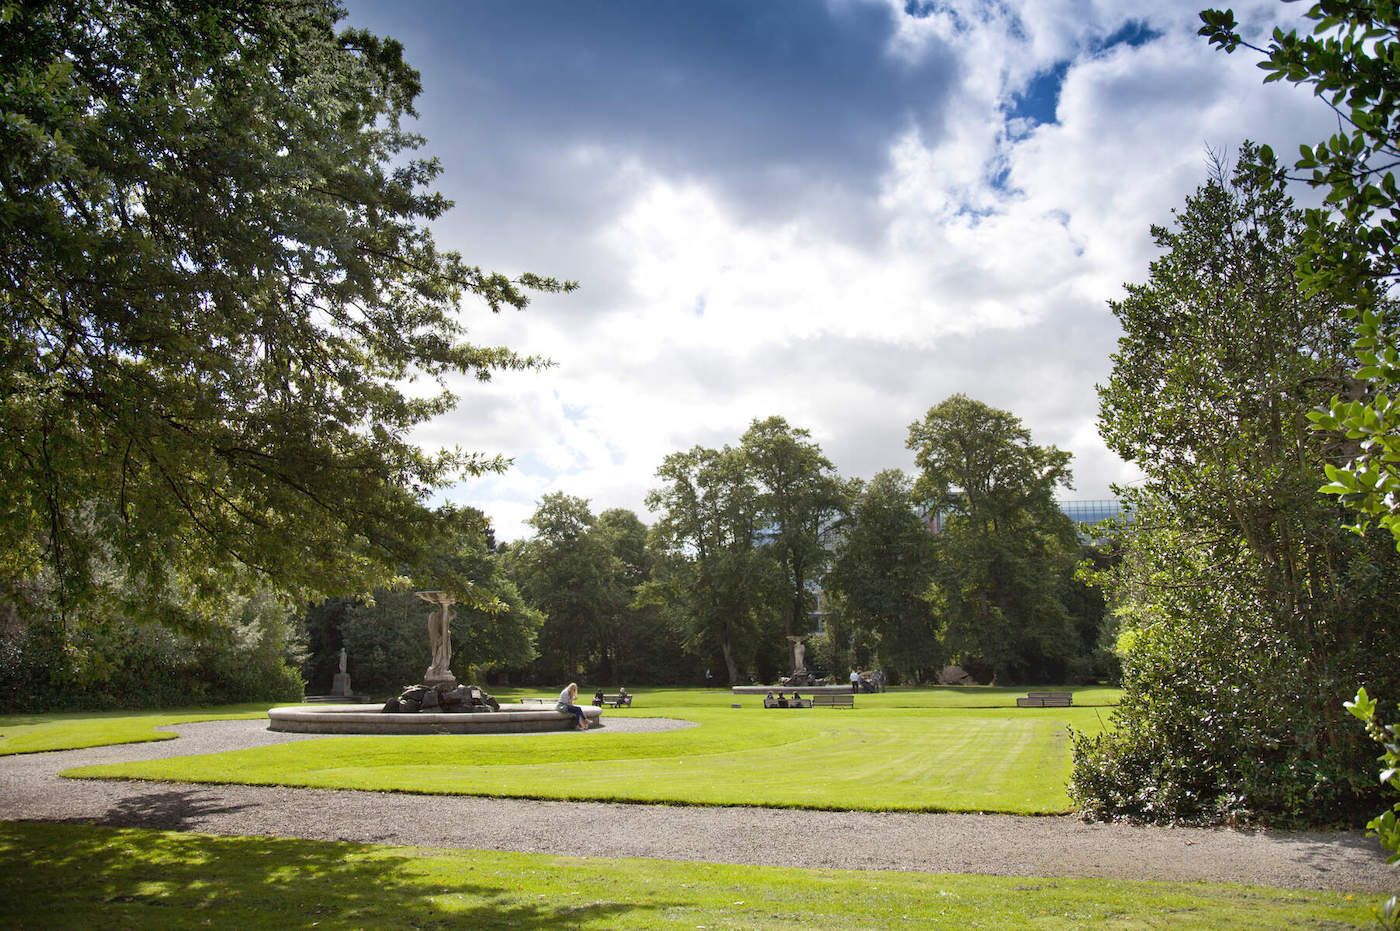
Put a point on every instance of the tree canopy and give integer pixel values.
(569, 572)
(1349, 248)
(1246, 610)
(710, 561)
(215, 278)
(883, 569)
(1005, 547)
(801, 498)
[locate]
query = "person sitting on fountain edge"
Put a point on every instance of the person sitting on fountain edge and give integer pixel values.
(566, 704)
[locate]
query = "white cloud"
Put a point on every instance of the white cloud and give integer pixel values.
(998, 247)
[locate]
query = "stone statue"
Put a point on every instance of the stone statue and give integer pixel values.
(440, 637)
(799, 653)
(340, 687)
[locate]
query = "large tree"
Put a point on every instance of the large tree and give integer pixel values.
(801, 498)
(1247, 613)
(567, 570)
(711, 564)
(882, 572)
(641, 642)
(216, 276)
(1004, 546)
(1348, 249)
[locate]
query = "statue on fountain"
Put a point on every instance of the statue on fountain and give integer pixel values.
(800, 676)
(440, 638)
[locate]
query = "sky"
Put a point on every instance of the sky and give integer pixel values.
(837, 211)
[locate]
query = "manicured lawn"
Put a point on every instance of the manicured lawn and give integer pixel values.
(977, 696)
(898, 751)
(69, 875)
(35, 733)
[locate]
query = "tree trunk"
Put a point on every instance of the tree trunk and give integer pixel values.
(730, 666)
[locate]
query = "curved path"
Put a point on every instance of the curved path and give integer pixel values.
(30, 789)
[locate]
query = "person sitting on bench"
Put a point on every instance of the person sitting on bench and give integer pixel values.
(782, 700)
(598, 698)
(796, 699)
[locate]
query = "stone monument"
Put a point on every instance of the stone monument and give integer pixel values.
(800, 676)
(799, 653)
(340, 687)
(440, 638)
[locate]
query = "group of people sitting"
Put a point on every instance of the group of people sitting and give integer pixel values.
(782, 701)
(622, 698)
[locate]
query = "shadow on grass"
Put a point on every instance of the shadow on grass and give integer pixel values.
(61, 874)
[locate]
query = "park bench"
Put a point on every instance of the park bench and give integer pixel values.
(800, 703)
(618, 701)
(538, 701)
(1046, 700)
(834, 700)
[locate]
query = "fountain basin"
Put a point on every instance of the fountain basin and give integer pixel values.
(355, 719)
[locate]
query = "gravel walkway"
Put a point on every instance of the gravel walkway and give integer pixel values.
(30, 789)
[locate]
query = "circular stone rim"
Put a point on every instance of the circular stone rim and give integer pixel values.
(354, 719)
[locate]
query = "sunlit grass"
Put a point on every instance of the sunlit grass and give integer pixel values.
(973, 696)
(130, 878)
(36, 733)
(906, 751)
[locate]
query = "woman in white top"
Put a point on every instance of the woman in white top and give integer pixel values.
(566, 703)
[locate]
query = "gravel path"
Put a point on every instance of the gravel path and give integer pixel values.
(30, 789)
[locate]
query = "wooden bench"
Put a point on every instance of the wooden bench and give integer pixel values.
(1046, 700)
(538, 701)
(834, 700)
(618, 701)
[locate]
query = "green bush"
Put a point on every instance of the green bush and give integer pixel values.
(1226, 715)
(1385, 826)
(243, 653)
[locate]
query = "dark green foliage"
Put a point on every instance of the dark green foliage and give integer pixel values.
(883, 569)
(322, 625)
(567, 570)
(1348, 250)
(801, 498)
(241, 652)
(1005, 551)
(387, 639)
(711, 569)
(644, 643)
(1244, 608)
(215, 275)
(585, 573)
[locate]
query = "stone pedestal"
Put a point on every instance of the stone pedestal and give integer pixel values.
(341, 685)
(433, 681)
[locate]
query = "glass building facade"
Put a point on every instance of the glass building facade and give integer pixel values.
(1091, 511)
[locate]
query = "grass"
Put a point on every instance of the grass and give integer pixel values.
(928, 750)
(135, 878)
(37, 733)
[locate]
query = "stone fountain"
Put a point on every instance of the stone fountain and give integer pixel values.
(438, 705)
